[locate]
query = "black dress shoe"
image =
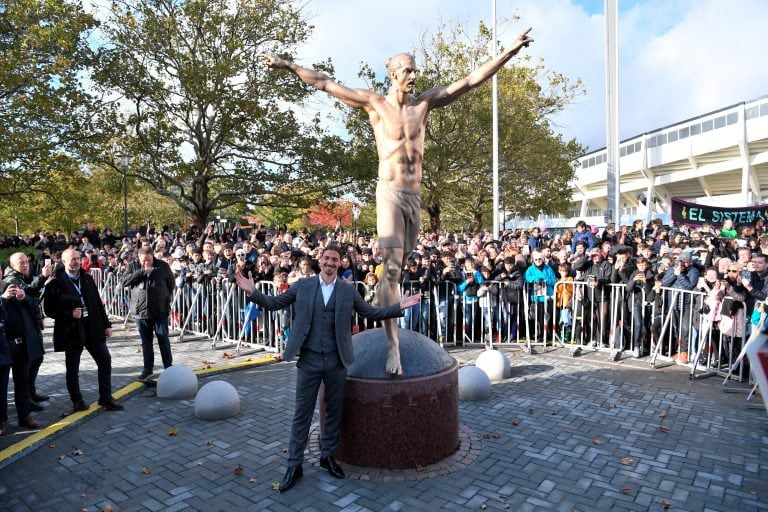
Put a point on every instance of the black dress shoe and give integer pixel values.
(79, 406)
(36, 407)
(38, 398)
(333, 468)
(29, 422)
(145, 374)
(291, 476)
(111, 405)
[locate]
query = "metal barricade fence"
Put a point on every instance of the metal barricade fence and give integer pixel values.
(596, 317)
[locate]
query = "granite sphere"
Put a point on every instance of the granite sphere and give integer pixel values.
(474, 384)
(177, 381)
(217, 400)
(495, 364)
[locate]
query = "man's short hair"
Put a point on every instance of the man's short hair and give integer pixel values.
(332, 247)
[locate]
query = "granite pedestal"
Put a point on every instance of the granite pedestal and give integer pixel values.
(405, 421)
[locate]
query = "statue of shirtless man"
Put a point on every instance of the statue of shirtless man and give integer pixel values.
(398, 121)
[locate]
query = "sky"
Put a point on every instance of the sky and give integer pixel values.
(677, 58)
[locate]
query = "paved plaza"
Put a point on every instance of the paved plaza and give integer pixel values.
(565, 434)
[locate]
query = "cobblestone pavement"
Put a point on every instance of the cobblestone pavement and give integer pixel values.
(565, 434)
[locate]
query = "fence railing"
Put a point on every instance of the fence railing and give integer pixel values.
(625, 322)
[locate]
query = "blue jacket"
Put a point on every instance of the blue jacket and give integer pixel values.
(546, 274)
(585, 236)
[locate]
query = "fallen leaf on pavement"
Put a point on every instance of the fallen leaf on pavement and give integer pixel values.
(145, 470)
(665, 505)
(77, 452)
(173, 431)
(662, 428)
(663, 414)
(611, 406)
(227, 355)
(627, 461)
(515, 422)
(597, 441)
(239, 470)
(276, 486)
(626, 490)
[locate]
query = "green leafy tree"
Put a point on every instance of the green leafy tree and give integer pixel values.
(45, 109)
(208, 124)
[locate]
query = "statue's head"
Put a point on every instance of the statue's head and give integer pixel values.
(402, 70)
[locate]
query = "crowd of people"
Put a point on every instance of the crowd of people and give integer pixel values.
(472, 285)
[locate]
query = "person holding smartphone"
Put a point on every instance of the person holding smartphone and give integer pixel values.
(31, 287)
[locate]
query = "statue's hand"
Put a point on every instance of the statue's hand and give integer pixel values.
(271, 61)
(524, 39)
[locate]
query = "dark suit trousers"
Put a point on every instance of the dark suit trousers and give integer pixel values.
(100, 354)
(20, 389)
(314, 368)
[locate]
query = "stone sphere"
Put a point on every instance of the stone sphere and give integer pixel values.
(177, 381)
(217, 400)
(474, 384)
(494, 363)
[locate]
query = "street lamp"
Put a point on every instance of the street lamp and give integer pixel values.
(124, 161)
(355, 216)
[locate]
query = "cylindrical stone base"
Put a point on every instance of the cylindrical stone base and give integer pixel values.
(400, 422)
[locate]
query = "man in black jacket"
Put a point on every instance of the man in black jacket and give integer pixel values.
(72, 300)
(152, 286)
(32, 285)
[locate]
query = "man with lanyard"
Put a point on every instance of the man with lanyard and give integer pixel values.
(72, 300)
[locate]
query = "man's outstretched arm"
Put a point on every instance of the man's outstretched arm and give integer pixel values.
(441, 96)
(356, 98)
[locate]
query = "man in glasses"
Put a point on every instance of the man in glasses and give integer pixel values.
(683, 275)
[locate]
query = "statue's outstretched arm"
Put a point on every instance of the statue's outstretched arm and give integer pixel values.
(356, 98)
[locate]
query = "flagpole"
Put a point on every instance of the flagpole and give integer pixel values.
(495, 121)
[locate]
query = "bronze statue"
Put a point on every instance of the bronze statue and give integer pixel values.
(398, 120)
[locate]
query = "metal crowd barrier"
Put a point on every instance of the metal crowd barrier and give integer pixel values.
(577, 315)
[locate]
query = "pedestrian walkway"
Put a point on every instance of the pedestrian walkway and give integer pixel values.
(563, 433)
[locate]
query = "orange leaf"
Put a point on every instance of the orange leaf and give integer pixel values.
(626, 490)
(227, 355)
(138, 350)
(665, 505)
(662, 428)
(663, 414)
(239, 470)
(204, 362)
(627, 461)
(107, 508)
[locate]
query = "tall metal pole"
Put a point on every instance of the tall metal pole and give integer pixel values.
(613, 177)
(495, 121)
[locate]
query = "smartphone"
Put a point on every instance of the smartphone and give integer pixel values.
(47, 261)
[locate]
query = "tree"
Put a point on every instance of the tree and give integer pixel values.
(535, 162)
(208, 123)
(44, 107)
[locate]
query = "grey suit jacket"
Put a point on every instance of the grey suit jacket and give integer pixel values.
(302, 293)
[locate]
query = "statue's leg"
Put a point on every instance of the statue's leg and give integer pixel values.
(389, 293)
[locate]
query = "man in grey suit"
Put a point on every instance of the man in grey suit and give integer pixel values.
(321, 336)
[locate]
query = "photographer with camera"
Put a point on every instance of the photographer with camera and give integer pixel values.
(446, 279)
(596, 298)
(152, 285)
(683, 275)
